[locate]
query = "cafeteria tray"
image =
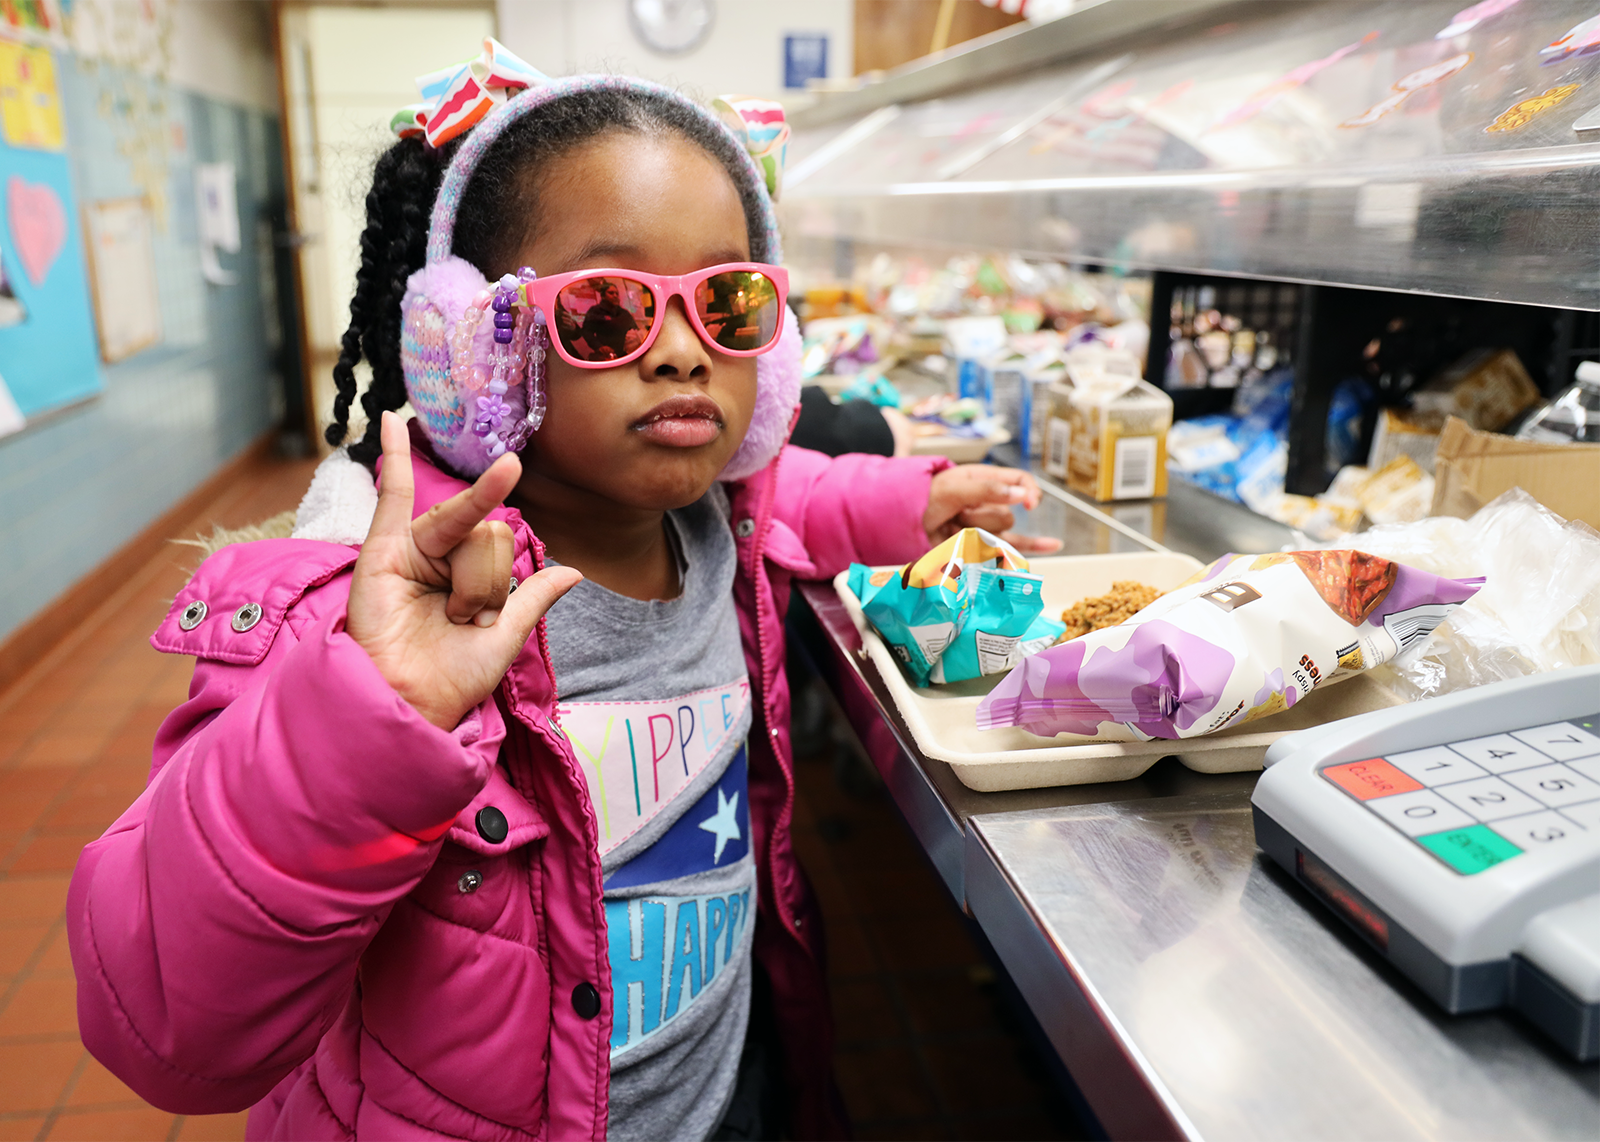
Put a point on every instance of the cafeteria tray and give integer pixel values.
(943, 719)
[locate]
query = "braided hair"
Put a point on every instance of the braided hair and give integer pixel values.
(497, 217)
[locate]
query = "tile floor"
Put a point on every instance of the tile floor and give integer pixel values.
(926, 1048)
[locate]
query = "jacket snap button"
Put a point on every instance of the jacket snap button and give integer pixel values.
(193, 615)
(586, 1000)
(469, 882)
(745, 528)
(246, 617)
(492, 824)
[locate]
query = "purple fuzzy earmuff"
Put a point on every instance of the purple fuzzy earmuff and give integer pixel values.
(448, 350)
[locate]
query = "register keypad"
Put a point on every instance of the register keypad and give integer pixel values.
(1477, 803)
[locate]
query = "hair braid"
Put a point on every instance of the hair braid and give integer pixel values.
(393, 246)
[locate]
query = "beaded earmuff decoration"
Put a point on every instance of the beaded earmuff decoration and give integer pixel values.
(517, 357)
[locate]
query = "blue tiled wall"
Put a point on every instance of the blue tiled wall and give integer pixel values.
(77, 487)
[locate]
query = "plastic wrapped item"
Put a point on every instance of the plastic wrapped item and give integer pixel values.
(1399, 492)
(1347, 412)
(841, 345)
(967, 608)
(1247, 637)
(1539, 609)
(874, 387)
(1573, 417)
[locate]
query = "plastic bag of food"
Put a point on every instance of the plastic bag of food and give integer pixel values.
(1247, 637)
(968, 607)
(1540, 607)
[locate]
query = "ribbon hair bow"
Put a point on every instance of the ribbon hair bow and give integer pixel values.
(454, 98)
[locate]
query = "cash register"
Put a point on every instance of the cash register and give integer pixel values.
(1460, 837)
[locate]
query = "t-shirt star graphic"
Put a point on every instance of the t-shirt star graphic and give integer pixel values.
(724, 823)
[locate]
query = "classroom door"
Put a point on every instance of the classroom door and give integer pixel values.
(344, 72)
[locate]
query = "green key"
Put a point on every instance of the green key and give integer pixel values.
(1470, 850)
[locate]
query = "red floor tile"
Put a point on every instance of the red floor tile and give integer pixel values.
(32, 1075)
(32, 898)
(19, 942)
(41, 1007)
(212, 1128)
(55, 853)
(142, 1124)
(20, 1129)
(97, 1086)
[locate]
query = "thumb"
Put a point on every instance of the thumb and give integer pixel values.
(529, 602)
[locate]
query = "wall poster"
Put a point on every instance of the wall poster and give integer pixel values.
(122, 261)
(47, 337)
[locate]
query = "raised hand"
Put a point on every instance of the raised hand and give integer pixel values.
(982, 495)
(431, 599)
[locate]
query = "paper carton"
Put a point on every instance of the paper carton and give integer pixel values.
(1109, 440)
(1473, 467)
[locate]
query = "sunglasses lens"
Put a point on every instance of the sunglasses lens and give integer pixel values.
(739, 308)
(605, 318)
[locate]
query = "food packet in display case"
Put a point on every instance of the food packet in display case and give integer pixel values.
(1248, 636)
(967, 608)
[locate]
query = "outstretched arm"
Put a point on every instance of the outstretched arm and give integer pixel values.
(877, 509)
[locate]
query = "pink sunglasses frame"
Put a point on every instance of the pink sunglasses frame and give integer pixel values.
(542, 293)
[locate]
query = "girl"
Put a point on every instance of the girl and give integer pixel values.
(417, 859)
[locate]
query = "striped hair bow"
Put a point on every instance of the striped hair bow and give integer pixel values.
(454, 98)
(761, 126)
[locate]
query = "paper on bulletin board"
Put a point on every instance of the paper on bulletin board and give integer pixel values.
(123, 276)
(30, 104)
(217, 193)
(48, 356)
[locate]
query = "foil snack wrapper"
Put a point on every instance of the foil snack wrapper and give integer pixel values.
(967, 608)
(1247, 637)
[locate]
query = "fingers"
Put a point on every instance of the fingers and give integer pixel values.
(446, 524)
(1032, 544)
(393, 515)
(993, 518)
(527, 605)
(480, 574)
(1002, 486)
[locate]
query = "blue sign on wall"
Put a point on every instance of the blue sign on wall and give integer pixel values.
(805, 57)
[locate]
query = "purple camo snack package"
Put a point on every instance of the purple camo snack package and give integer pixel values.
(1247, 637)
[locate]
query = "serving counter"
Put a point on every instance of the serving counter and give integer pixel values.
(1192, 989)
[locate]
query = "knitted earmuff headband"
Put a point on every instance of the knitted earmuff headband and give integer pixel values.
(449, 351)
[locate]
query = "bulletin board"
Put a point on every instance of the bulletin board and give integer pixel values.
(47, 337)
(122, 262)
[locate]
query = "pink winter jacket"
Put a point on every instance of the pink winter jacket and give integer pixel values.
(276, 922)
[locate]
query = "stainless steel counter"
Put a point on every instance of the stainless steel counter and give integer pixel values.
(1196, 991)
(1191, 989)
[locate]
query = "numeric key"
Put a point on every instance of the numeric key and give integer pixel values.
(1562, 741)
(1500, 753)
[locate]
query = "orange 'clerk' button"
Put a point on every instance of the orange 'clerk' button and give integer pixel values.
(1365, 780)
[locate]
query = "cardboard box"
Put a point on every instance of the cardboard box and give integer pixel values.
(1488, 388)
(1473, 467)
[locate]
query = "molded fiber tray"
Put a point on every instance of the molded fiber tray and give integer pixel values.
(943, 719)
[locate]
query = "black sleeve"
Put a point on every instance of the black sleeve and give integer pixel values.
(834, 429)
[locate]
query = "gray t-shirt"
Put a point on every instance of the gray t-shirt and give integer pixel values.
(656, 702)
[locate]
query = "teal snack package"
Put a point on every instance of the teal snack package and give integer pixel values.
(917, 622)
(996, 610)
(966, 608)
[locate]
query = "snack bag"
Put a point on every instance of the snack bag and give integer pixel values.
(966, 608)
(1247, 637)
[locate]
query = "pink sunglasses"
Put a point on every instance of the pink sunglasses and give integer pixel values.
(599, 319)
